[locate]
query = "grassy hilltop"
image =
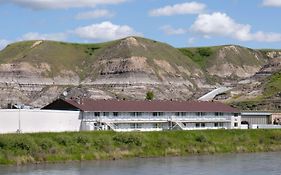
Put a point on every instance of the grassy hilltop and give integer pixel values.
(61, 147)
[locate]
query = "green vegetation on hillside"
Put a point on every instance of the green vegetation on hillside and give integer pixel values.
(60, 147)
(198, 55)
(273, 85)
(59, 55)
(239, 56)
(83, 58)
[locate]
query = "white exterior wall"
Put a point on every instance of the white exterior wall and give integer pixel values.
(186, 121)
(29, 121)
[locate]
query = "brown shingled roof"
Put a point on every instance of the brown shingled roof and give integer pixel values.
(150, 106)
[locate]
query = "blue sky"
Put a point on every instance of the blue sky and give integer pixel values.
(251, 23)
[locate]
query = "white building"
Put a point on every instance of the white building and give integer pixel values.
(151, 115)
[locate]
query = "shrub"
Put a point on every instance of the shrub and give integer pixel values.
(23, 143)
(46, 143)
(82, 139)
(201, 138)
(205, 52)
(128, 138)
(64, 140)
(149, 95)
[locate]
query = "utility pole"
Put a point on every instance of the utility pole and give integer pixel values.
(19, 128)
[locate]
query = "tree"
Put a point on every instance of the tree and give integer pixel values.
(149, 95)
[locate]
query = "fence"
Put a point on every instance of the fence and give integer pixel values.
(27, 121)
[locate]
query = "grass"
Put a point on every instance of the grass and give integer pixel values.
(77, 146)
(273, 85)
(206, 57)
(83, 59)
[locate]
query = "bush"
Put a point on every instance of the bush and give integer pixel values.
(82, 139)
(149, 95)
(128, 138)
(205, 52)
(46, 143)
(201, 139)
(64, 140)
(23, 143)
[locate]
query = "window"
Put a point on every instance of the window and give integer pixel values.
(235, 114)
(183, 113)
(154, 114)
(220, 124)
(218, 114)
(115, 114)
(235, 124)
(138, 113)
(106, 114)
(197, 125)
(197, 113)
(177, 114)
(132, 125)
(132, 114)
(97, 114)
(160, 113)
(155, 125)
(216, 124)
(203, 113)
(202, 124)
(138, 125)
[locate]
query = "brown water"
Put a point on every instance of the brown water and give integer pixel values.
(226, 164)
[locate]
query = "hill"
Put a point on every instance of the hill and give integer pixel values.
(37, 72)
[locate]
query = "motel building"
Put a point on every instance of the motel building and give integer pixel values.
(155, 115)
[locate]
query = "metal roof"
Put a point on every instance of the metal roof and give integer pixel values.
(256, 113)
(147, 106)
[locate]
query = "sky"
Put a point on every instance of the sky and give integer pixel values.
(180, 23)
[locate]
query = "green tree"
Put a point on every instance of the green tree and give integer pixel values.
(149, 95)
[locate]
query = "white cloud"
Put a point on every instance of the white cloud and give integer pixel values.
(60, 4)
(219, 24)
(104, 31)
(191, 40)
(169, 30)
(4, 43)
(272, 3)
(38, 36)
(99, 13)
(179, 9)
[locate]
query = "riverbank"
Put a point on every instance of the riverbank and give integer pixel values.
(76, 146)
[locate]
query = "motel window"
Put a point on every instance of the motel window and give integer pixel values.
(138, 125)
(203, 113)
(197, 125)
(218, 114)
(197, 113)
(221, 124)
(202, 124)
(235, 114)
(97, 114)
(138, 113)
(132, 125)
(132, 114)
(177, 114)
(115, 114)
(160, 113)
(183, 113)
(106, 114)
(154, 114)
(216, 124)
(235, 124)
(155, 125)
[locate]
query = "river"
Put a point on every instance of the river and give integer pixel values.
(224, 164)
